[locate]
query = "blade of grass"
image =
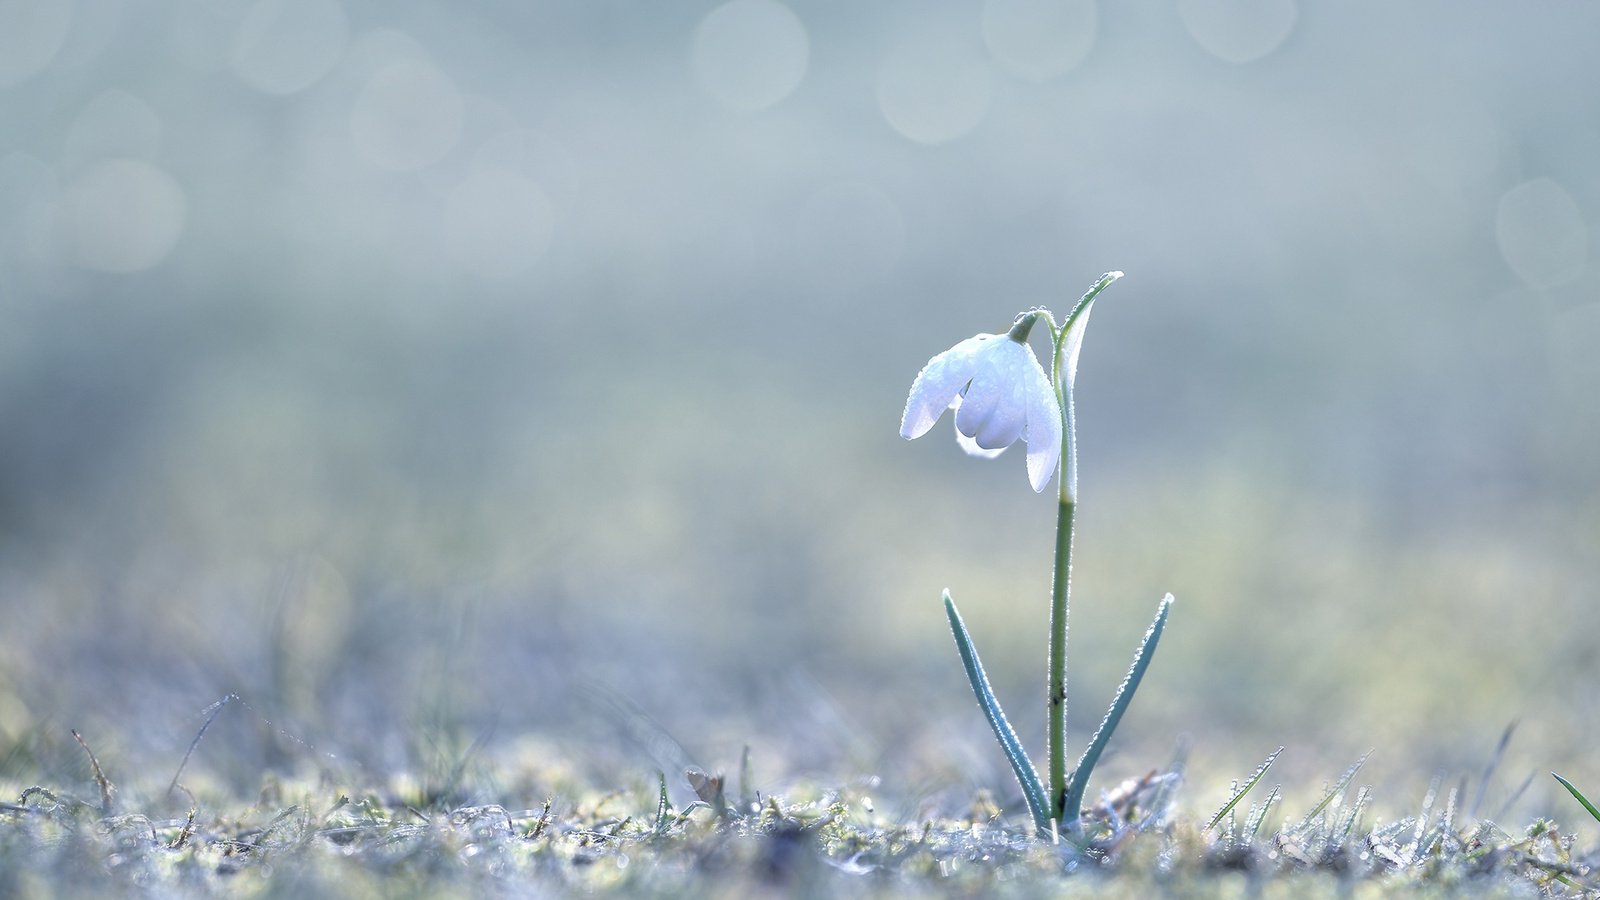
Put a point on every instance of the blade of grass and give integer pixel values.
(1027, 775)
(1363, 802)
(1161, 799)
(1578, 796)
(1488, 770)
(1119, 705)
(1336, 790)
(211, 712)
(1452, 807)
(1252, 825)
(106, 790)
(1339, 835)
(1428, 800)
(1238, 795)
(662, 805)
(1515, 796)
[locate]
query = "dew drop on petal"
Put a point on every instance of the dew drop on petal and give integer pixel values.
(1005, 425)
(750, 54)
(979, 402)
(938, 386)
(1238, 31)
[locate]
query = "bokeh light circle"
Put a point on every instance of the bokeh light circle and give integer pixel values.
(750, 54)
(1238, 31)
(1039, 39)
(285, 46)
(497, 223)
(113, 124)
(32, 33)
(407, 116)
(1542, 234)
(934, 91)
(119, 215)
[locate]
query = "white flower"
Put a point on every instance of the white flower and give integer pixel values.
(999, 393)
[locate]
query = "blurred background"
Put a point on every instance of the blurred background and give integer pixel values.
(463, 383)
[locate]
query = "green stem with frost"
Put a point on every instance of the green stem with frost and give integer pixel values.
(1061, 582)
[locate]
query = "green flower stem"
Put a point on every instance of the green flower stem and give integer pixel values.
(1056, 736)
(1061, 582)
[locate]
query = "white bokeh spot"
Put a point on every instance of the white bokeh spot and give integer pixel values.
(934, 90)
(113, 124)
(407, 116)
(498, 223)
(1542, 234)
(1039, 39)
(750, 54)
(119, 216)
(32, 33)
(285, 46)
(1238, 31)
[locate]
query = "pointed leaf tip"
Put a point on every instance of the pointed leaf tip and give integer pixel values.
(1119, 704)
(1021, 766)
(1578, 796)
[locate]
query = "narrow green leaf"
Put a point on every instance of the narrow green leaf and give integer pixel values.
(1363, 800)
(662, 805)
(1258, 816)
(1576, 795)
(1337, 789)
(1119, 704)
(1516, 795)
(1238, 795)
(1488, 770)
(1027, 776)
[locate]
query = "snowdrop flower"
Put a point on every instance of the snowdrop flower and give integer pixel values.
(999, 394)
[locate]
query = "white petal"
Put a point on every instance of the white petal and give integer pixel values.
(1044, 427)
(994, 412)
(939, 383)
(979, 399)
(972, 449)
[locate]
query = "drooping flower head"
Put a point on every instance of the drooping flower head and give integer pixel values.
(1000, 394)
